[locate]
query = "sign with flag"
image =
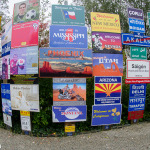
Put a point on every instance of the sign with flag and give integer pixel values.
(68, 15)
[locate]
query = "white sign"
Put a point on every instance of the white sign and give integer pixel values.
(7, 119)
(25, 123)
(138, 69)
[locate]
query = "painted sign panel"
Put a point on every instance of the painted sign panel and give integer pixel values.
(137, 69)
(107, 64)
(25, 34)
(5, 91)
(136, 25)
(135, 114)
(130, 39)
(7, 119)
(105, 22)
(26, 11)
(68, 15)
(106, 114)
(69, 113)
(135, 13)
(138, 52)
(65, 62)
(6, 67)
(68, 36)
(107, 90)
(106, 43)
(6, 106)
(69, 91)
(24, 60)
(25, 97)
(136, 81)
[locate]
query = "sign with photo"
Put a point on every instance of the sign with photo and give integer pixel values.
(107, 90)
(55, 62)
(69, 113)
(6, 67)
(25, 97)
(6, 106)
(106, 43)
(68, 36)
(7, 119)
(26, 11)
(106, 114)
(135, 114)
(68, 15)
(24, 60)
(25, 34)
(105, 22)
(69, 91)
(5, 91)
(107, 64)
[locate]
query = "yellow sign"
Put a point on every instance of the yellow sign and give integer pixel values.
(69, 127)
(24, 113)
(0, 21)
(105, 22)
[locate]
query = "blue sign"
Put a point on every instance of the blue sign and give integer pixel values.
(5, 91)
(6, 49)
(68, 36)
(130, 39)
(106, 114)
(69, 113)
(107, 90)
(6, 107)
(136, 25)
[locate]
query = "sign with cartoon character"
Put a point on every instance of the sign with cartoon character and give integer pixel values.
(68, 15)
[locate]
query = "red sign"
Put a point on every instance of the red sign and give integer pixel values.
(136, 81)
(25, 34)
(135, 114)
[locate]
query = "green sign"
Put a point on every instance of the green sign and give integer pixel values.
(68, 15)
(148, 17)
(138, 52)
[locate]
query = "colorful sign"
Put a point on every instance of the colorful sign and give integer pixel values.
(135, 13)
(68, 15)
(26, 11)
(69, 113)
(0, 68)
(107, 64)
(136, 81)
(5, 91)
(68, 36)
(137, 69)
(107, 90)
(69, 127)
(69, 91)
(24, 60)
(106, 114)
(6, 106)
(7, 119)
(65, 62)
(106, 43)
(130, 39)
(6, 67)
(138, 52)
(135, 114)
(25, 34)
(25, 97)
(105, 22)
(136, 25)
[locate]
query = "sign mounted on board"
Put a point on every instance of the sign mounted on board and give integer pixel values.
(135, 114)
(7, 119)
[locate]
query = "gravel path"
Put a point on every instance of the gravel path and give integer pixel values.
(134, 137)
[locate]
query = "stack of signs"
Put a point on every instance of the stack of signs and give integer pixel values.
(107, 68)
(67, 56)
(6, 104)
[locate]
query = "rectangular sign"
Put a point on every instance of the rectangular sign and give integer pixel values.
(0, 68)
(69, 91)
(135, 114)
(107, 90)
(6, 106)
(68, 15)
(137, 69)
(106, 114)
(135, 13)
(130, 39)
(7, 119)
(24, 60)
(148, 18)
(6, 67)
(25, 97)
(107, 64)
(68, 36)
(136, 81)
(136, 25)
(65, 62)
(106, 43)
(138, 52)
(25, 34)
(69, 113)
(5, 91)
(69, 127)
(105, 22)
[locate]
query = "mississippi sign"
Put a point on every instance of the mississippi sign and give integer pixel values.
(105, 22)
(106, 43)
(106, 114)
(138, 52)
(5, 91)
(69, 113)
(130, 39)
(135, 114)
(68, 15)
(107, 90)
(68, 36)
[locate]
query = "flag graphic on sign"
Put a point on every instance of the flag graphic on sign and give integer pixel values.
(69, 35)
(69, 14)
